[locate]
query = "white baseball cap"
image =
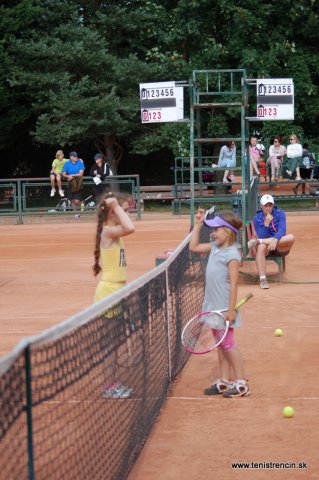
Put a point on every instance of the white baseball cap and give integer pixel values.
(267, 199)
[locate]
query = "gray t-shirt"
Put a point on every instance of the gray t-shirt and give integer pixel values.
(217, 288)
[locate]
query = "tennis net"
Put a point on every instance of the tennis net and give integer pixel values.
(63, 415)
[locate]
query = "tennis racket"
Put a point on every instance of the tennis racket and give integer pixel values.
(207, 330)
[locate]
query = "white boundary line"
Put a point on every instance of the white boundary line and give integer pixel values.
(203, 399)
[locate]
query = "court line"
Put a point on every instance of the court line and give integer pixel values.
(291, 326)
(205, 399)
(71, 244)
(250, 396)
(13, 317)
(33, 332)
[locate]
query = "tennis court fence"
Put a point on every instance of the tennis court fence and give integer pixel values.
(57, 421)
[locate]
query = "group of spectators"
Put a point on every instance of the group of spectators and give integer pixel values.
(291, 162)
(72, 170)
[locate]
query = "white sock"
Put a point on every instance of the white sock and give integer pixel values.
(262, 277)
(240, 381)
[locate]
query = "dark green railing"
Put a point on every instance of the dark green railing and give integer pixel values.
(20, 197)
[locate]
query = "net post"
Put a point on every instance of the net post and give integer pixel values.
(168, 327)
(29, 413)
(19, 201)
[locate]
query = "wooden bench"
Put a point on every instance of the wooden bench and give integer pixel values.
(156, 192)
(279, 259)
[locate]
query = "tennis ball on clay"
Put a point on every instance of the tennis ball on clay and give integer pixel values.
(278, 332)
(288, 412)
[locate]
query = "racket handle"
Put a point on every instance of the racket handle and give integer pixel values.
(244, 300)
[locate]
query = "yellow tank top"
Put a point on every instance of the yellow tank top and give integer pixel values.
(113, 263)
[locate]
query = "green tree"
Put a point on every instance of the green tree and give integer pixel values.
(70, 70)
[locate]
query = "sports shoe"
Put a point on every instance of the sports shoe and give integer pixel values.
(77, 215)
(252, 243)
(239, 390)
(289, 172)
(225, 180)
(218, 387)
(298, 179)
(116, 390)
(61, 193)
(264, 283)
(52, 192)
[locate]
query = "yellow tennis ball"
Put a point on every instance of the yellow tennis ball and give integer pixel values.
(288, 412)
(278, 332)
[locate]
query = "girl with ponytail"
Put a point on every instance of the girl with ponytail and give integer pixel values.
(113, 222)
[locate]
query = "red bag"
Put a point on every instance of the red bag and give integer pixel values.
(262, 167)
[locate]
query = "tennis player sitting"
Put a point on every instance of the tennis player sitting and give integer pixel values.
(113, 223)
(270, 227)
(221, 292)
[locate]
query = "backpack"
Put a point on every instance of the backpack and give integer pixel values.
(107, 171)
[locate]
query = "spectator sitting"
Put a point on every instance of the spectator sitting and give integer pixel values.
(277, 151)
(99, 172)
(227, 159)
(56, 172)
(294, 153)
(270, 227)
(73, 171)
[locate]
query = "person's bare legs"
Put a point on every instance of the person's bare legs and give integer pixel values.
(284, 245)
(298, 177)
(224, 365)
(52, 181)
(235, 358)
(59, 181)
(253, 167)
(225, 176)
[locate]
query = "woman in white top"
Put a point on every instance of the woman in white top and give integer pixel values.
(277, 151)
(294, 158)
(227, 159)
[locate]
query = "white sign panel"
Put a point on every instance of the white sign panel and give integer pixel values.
(275, 99)
(161, 102)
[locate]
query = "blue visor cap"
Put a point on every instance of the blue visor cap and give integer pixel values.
(219, 222)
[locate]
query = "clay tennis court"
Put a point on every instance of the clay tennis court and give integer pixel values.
(46, 277)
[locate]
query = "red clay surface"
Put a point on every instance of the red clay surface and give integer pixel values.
(46, 277)
(198, 436)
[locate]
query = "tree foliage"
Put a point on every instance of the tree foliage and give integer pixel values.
(70, 70)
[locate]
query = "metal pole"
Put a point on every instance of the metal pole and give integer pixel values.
(29, 413)
(192, 153)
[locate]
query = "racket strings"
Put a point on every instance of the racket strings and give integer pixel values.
(200, 337)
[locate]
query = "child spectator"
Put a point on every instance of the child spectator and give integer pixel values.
(56, 172)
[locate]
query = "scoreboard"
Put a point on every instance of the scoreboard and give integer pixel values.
(275, 99)
(161, 102)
